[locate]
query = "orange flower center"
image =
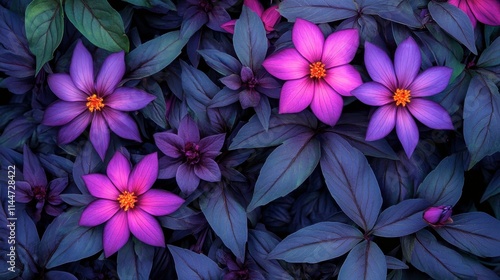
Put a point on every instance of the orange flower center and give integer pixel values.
(402, 97)
(127, 200)
(317, 70)
(94, 103)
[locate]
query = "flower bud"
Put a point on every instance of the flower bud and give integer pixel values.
(437, 216)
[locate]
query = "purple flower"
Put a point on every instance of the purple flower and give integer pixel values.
(189, 158)
(437, 216)
(485, 11)
(270, 17)
(127, 204)
(99, 101)
(35, 189)
(399, 90)
(317, 71)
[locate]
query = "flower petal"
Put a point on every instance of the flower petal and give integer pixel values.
(407, 61)
(486, 11)
(296, 95)
(407, 131)
(100, 186)
(229, 26)
(186, 178)
(170, 144)
(144, 174)
(343, 79)
(56, 187)
(381, 123)
(145, 227)
(373, 93)
(308, 40)
(207, 169)
(255, 6)
(287, 64)
(74, 128)
(122, 124)
(116, 233)
(111, 73)
(327, 103)
(167, 167)
(118, 171)
(249, 98)
(24, 192)
(128, 99)
(379, 66)
(62, 112)
(340, 47)
(99, 135)
(32, 169)
(430, 113)
(64, 88)
(98, 212)
(159, 202)
(188, 130)
(270, 18)
(210, 146)
(81, 69)
(430, 82)
(463, 5)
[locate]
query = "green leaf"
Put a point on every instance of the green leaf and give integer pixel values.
(99, 23)
(44, 29)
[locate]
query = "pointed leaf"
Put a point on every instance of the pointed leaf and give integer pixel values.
(250, 41)
(319, 242)
(455, 22)
(260, 244)
(99, 23)
(154, 55)
(227, 218)
(221, 62)
(365, 262)
(394, 263)
(482, 119)
(493, 187)
(318, 11)
(401, 219)
(475, 232)
(190, 265)
(350, 180)
(88, 161)
(135, 260)
(44, 29)
(443, 185)
(286, 168)
(491, 55)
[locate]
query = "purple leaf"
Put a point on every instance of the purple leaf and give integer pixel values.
(250, 41)
(190, 265)
(365, 262)
(135, 260)
(317, 11)
(401, 219)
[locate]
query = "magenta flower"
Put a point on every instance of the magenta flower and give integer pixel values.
(485, 11)
(270, 16)
(36, 190)
(438, 216)
(100, 101)
(399, 90)
(188, 158)
(127, 204)
(316, 71)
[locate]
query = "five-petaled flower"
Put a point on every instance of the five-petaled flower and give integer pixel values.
(399, 90)
(485, 11)
(189, 158)
(270, 16)
(438, 216)
(316, 70)
(127, 204)
(100, 101)
(35, 188)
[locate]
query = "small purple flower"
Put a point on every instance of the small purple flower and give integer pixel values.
(270, 16)
(35, 188)
(127, 204)
(99, 101)
(189, 158)
(437, 216)
(399, 90)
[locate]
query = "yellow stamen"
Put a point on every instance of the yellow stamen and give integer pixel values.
(127, 200)
(317, 70)
(94, 103)
(402, 97)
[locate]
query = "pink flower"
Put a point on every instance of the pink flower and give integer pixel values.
(485, 11)
(270, 17)
(438, 216)
(316, 70)
(400, 90)
(127, 204)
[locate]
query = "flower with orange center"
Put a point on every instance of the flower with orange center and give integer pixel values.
(317, 70)
(127, 204)
(94, 103)
(399, 89)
